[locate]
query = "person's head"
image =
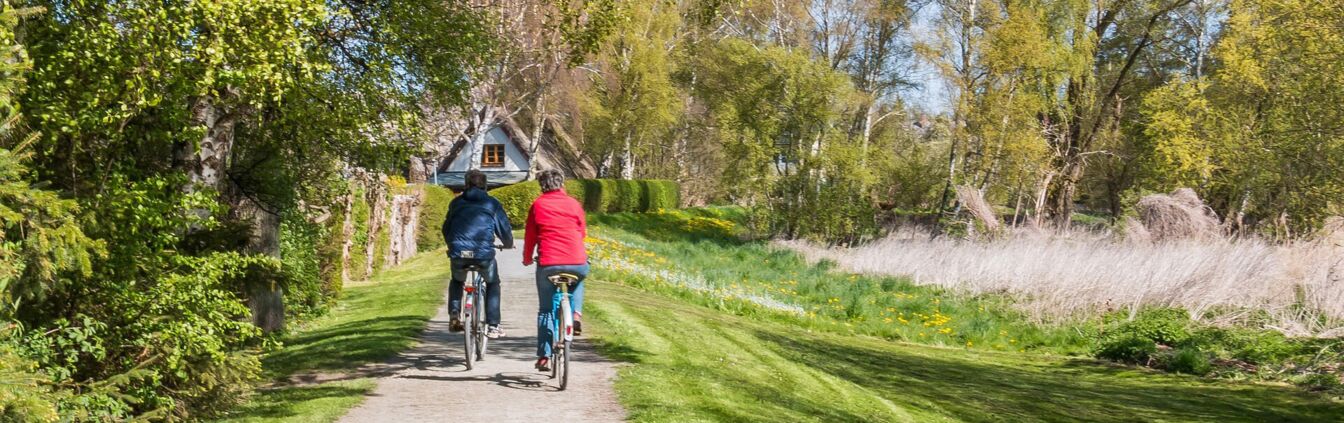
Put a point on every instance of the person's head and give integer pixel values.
(475, 179)
(550, 180)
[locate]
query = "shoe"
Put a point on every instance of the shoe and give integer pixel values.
(578, 324)
(494, 332)
(544, 364)
(455, 325)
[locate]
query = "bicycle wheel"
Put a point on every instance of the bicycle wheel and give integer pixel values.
(468, 324)
(560, 360)
(479, 321)
(563, 365)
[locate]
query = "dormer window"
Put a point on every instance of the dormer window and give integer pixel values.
(492, 155)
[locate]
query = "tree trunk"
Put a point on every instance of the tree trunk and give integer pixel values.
(627, 160)
(265, 296)
(1061, 198)
(1041, 192)
(538, 128)
(484, 122)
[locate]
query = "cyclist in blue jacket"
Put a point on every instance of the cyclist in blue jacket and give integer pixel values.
(474, 220)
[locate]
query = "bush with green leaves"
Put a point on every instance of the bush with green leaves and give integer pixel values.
(25, 396)
(433, 209)
(596, 196)
(1167, 339)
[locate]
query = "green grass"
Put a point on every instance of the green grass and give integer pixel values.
(374, 321)
(688, 311)
(706, 245)
(694, 363)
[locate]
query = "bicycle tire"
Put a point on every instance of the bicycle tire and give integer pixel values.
(555, 352)
(479, 321)
(467, 313)
(563, 365)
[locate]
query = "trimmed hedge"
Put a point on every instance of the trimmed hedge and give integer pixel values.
(596, 196)
(433, 209)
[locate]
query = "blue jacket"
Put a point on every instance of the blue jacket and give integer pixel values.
(474, 220)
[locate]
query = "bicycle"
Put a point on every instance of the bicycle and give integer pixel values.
(472, 312)
(562, 329)
(470, 315)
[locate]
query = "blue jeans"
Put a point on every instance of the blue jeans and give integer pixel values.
(546, 301)
(489, 273)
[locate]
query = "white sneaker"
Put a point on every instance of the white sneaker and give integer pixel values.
(493, 332)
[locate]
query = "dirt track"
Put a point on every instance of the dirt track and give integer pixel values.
(430, 383)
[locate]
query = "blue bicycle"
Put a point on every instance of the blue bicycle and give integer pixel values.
(562, 328)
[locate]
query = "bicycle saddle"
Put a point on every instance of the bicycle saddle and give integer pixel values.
(472, 267)
(565, 278)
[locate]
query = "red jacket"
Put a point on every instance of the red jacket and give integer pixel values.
(556, 226)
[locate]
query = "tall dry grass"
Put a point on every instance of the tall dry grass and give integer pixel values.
(1296, 288)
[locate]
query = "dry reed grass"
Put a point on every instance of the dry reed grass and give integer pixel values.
(1179, 215)
(1295, 288)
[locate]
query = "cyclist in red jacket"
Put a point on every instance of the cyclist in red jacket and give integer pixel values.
(556, 226)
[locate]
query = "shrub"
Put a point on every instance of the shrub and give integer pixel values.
(360, 238)
(433, 209)
(1190, 360)
(23, 395)
(1136, 341)
(517, 199)
(596, 196)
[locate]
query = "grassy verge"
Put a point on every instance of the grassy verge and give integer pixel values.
(698, 255)
(749, 330)
(374, 320)
(694, 363)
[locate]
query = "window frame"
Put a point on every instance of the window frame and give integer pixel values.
(486, 156)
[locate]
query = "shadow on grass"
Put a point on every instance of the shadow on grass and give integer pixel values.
(284, 402)
(677, 226)
(970, 390)
(343, 346)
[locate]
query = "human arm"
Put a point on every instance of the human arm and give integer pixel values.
(503, 228)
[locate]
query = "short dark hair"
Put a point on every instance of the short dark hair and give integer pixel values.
(475, 179)
(551, 180)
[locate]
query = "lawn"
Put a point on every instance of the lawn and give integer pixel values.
(695, 363)
(375, 320)
(698, 255)
(724, 328)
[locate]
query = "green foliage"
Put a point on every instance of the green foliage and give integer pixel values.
(310, 264)
(634, 102)
(25, 396)
(708, 256)
(433, 209)
(40, 238)
(360, 239)
(596, 196)
(517, 200)
(1257, 131)
(1167, 339)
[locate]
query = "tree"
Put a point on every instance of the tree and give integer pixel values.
(1263, 135)
(633, 102)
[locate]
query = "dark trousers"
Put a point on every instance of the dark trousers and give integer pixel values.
(489, 273)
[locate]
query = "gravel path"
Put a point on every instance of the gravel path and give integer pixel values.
(430, 383)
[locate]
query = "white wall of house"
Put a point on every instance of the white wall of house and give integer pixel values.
(514, 160)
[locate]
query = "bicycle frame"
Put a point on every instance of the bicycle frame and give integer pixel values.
(562, 327)
(472, 316)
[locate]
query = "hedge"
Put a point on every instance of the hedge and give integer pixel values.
(433, 208)
(596, 196)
